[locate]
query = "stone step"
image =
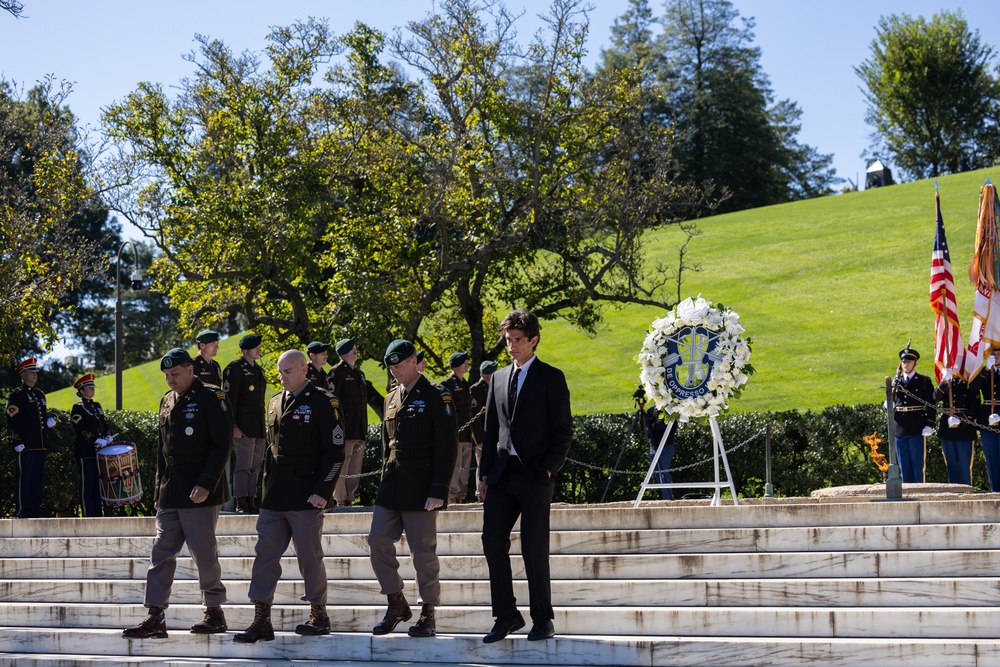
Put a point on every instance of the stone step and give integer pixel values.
(56, 660)
(888, 622)
(859, 564)
(187, 649)
(686, 541)
(881, 592)
(770, 513)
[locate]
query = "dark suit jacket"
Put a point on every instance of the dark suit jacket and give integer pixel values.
(541, 428)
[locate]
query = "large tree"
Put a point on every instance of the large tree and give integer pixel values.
(732, 134)
(932, 97)
(44, 194)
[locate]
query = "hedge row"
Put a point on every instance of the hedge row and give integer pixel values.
(809, 450)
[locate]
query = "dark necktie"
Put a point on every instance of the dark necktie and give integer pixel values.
(512, 390)
(286, 400)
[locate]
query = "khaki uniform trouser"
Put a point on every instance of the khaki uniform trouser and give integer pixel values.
(354, 457)
(421, 536)
(460, 476)
(249, 457)
(174, 527)
(274, 531)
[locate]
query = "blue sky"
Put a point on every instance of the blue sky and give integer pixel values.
(809, 47)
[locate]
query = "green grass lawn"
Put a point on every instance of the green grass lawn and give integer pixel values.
(829, 289)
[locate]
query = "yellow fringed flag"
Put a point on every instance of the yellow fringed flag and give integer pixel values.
(984, 274)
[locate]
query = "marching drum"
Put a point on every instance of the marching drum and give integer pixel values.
(118, 464)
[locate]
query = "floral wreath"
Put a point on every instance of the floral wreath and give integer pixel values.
(695, 359)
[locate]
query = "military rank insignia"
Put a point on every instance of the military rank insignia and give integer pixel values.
(223, 403)
(12, 410)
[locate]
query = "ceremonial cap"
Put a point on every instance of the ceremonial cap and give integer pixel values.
(398, 350)
(457, 359)
(207, 336)
(345, 345)
(250, 341)
(909, 354)
(84, 382)
(488, 367)
(175, 357)
(316, 347)
(27, 365)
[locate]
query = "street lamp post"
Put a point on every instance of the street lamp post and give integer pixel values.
(136, 283)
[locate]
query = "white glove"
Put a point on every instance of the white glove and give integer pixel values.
(990, 361)
(953, 422)
(994, 419)
(99, 443)
(948, 375)
(927, 432)
(19, 448)
(50, 422)
(885, 405)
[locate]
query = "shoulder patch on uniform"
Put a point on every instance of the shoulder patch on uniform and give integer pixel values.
(12, 410)
(77, 419)
(223, 402)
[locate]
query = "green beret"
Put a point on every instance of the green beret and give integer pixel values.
(458, 358)
(488, 367)
(207, 336)
(316, 347)
(250, 341)
(420, 356)
(345, 345)
(175, 357)
(398, 350)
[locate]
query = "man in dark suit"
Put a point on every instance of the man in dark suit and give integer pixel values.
(195, 441)
(528, 433)
(305, 449)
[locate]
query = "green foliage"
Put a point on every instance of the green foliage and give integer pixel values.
(932, 98)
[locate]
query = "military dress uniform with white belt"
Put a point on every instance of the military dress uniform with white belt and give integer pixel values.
(28, 423)
(92, 431)
(987, 386)
(957, 428)
(913, 415)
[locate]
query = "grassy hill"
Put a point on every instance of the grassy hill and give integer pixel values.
(829, 289)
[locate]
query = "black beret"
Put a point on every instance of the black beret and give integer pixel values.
(175, 357)
(345, 345)
(398, 350)
(457, 359)
(488, 367)
(316, 347)
(908, 353)
(207, 336)
(250, 341)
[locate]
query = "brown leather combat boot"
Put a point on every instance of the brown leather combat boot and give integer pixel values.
(154, 625)
(399, 610)
(424, 626)
(241, 505)
(214, 621)
(318, 623)
(260, 629)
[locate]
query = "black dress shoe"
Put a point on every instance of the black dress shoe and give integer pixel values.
(504, 626)
(541, 631)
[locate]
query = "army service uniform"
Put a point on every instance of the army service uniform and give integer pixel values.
(244, 384)
(477, 404)
(419, 442)
(317, 377)
(459, 389)
(90, 425)
(195, 442)
(987, 387)
(305, 450)
(27, 417)
(911, 414)
(209, 372)
(956, 441)
(355, 393)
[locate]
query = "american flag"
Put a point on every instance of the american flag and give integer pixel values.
(949, 351)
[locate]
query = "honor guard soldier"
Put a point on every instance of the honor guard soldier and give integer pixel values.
(244, 384)
(987, 386)
(317, 359)
(477, 408)
(206, 368)
(355, 393)
(305, 450)
(28, 423)
(458, 386)
(419, 440)
(92, 434)
(957, 429)
(195, 441)
(913, 414)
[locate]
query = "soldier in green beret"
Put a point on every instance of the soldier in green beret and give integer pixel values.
(355, 393)
(317, 351)
(458, 386)
(477, 407)
(206, 368)
(419, 440)
(195, 441)
(244, 383)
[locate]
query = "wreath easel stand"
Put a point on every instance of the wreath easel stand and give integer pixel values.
(718, 451)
